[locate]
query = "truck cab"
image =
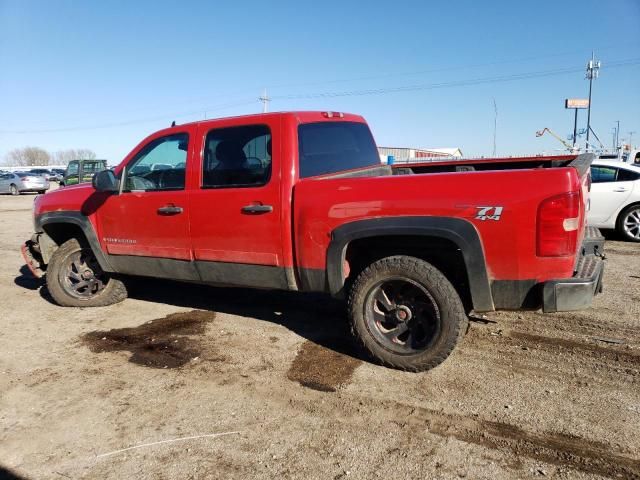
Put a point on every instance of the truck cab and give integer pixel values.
(81, 171)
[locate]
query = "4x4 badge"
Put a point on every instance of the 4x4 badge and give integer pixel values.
(489, 213)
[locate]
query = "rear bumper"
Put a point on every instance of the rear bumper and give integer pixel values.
(577, 293)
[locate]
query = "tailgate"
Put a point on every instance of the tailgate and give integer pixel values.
(582, 164)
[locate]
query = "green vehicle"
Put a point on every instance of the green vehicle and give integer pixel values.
(82, 171)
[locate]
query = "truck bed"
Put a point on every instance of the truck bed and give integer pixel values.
(483, 164)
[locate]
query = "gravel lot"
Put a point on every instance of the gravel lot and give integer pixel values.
(525, 395)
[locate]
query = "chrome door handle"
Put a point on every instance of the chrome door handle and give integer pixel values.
(170, 210)
(257, 209)
(619, 189)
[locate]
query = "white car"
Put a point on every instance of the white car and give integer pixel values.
(615, 198)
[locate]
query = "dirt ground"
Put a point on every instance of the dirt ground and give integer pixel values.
(183, 381)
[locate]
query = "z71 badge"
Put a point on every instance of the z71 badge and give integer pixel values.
(488, 213)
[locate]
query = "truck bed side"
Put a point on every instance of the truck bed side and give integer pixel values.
(508, 239)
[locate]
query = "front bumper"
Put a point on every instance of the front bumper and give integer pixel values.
(33, 257)
(577, 293)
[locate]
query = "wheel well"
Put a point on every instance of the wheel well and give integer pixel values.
(439, 252)
(624, 209)
(61, 232)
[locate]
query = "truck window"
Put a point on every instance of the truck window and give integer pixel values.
(160, 165)
(330, 147)
(237, 157)
(72, 168)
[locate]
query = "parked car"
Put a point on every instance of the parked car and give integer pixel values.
(82, 171)
(299, 201)
(615, 198)
(43, 172)
(18, 182)
(56, 174)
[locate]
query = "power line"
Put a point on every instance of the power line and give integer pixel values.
(456, 83)
(378, 91)
(351, 79)
(450, 68)
(133, 122)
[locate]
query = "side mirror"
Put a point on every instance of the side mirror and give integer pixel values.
(105, 181)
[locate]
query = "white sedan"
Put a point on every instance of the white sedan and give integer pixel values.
(615, 198)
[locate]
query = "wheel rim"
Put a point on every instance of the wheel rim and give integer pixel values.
(14, 190)
(402, 316)
(631, 223)
(82, 276)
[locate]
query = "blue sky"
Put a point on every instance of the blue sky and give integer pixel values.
(130, 68)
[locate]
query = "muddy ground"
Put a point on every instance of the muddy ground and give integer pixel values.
(525, 395)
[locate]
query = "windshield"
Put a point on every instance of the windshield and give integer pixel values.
(330, 147)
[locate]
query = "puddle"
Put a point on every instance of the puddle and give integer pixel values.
(321, 368)
(162, 343)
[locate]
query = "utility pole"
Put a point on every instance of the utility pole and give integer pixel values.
(617, 135)
(495, 126)
(575, 128)
(265, 101)
(592, 72)
(631, 139)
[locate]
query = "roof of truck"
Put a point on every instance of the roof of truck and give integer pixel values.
(302, 116)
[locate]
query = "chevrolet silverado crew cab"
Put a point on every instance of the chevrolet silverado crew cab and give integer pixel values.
(300, 201)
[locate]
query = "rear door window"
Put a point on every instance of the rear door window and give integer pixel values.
(625, 175)
(237, 157)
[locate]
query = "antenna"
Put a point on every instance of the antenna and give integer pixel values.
(593, 66)
(265, 101)
(495, 125)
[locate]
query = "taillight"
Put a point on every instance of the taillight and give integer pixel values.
(558, 225)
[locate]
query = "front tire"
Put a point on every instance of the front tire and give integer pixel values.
(75, 279)
(628, 225)
(406, 314)
(14, 190)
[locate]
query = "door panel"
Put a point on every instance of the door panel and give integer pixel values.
(607, 194)
(150, 218)
(235, 210)
(4, 182)
(132, 224)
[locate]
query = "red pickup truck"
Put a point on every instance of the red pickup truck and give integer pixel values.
(300, 201)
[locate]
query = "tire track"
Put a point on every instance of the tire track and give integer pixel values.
(551, 447)
(578, 324)
(539, 353)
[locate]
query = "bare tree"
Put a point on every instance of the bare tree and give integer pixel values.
(28, 156)
(63, 157)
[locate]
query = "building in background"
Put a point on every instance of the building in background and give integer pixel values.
(402, 153)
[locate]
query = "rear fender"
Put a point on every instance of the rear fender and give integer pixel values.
(461, 232)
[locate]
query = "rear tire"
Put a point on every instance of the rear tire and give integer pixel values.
(406, 314)
(628, 224)
(75, 279)
(14, 189)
